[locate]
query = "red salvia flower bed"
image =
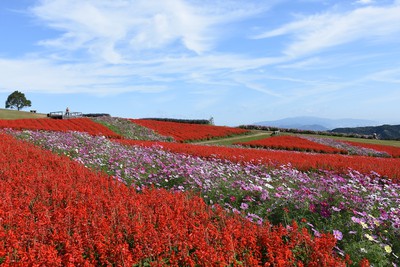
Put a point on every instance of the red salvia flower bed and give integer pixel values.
(183, 132)
(55, 212)
(391, 150)
(288, 142)
(389, 167)
(76, 124)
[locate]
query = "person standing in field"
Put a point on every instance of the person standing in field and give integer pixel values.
(67, 112)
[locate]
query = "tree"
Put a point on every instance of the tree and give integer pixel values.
(17, 100)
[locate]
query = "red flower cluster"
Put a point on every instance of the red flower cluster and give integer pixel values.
(391, 150)
(78, 124)
(288, 142)
(184, 132)
(389, 167)
(55, 212)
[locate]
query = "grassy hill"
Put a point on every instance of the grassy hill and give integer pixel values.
(388, 132)
(7, 114)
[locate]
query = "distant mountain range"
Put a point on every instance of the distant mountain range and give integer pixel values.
(316, 123)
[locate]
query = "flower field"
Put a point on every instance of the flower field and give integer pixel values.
(54, 212)
(184, 132)
(103, 202)
(288, 142)
(389, 167)
(320, 202)
(77, 124)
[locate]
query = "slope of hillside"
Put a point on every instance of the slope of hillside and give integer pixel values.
(387, 132)
(7, 114)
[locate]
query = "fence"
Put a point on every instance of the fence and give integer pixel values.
(62, 115)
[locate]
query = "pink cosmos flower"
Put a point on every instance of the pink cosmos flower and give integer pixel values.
(337, 234)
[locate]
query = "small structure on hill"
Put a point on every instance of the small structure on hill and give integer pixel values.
(276, 132)
(62, 115)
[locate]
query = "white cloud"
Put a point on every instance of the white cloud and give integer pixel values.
(147, 76)
(146, 42)
(303, 64)
(347, 59)
(386, 76)
(117, 29)
(255, 83)
(39, 75)
(315, 33)
(365, 2)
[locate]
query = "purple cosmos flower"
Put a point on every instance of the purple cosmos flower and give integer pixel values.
(337, 234)
(244, 206)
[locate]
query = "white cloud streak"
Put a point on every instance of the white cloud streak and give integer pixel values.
(146, 76)
(313, 34)
(386, 76)
(40, 75)
(365, 2)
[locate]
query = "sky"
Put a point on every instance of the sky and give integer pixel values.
(237, 61)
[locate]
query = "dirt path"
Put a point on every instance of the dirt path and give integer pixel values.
(254, 134)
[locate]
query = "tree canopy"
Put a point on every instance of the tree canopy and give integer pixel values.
(17, 100)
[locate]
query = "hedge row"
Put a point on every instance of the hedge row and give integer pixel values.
(180, 120)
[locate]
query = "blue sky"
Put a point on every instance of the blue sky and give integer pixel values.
(238, 61)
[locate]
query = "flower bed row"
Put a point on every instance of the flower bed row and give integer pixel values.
(76, 124)
(357, 149)
(389, 167)
(54, 212)
(288, 142)
(185, 132)
(391, 150)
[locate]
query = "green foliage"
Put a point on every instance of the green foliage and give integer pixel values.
(17, 100)
(386, 132)
(8, 114)
(130, 130)
(210, 121)
(370, 250)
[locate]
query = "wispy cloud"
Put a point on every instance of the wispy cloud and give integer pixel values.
(388, 76)
(41, 75)
(110, 47)
(365, 2)
(134, 45)
(256, 83)
(120, 30)
(147, 76)
(315, 33)
(346, 59)
(303, 64)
